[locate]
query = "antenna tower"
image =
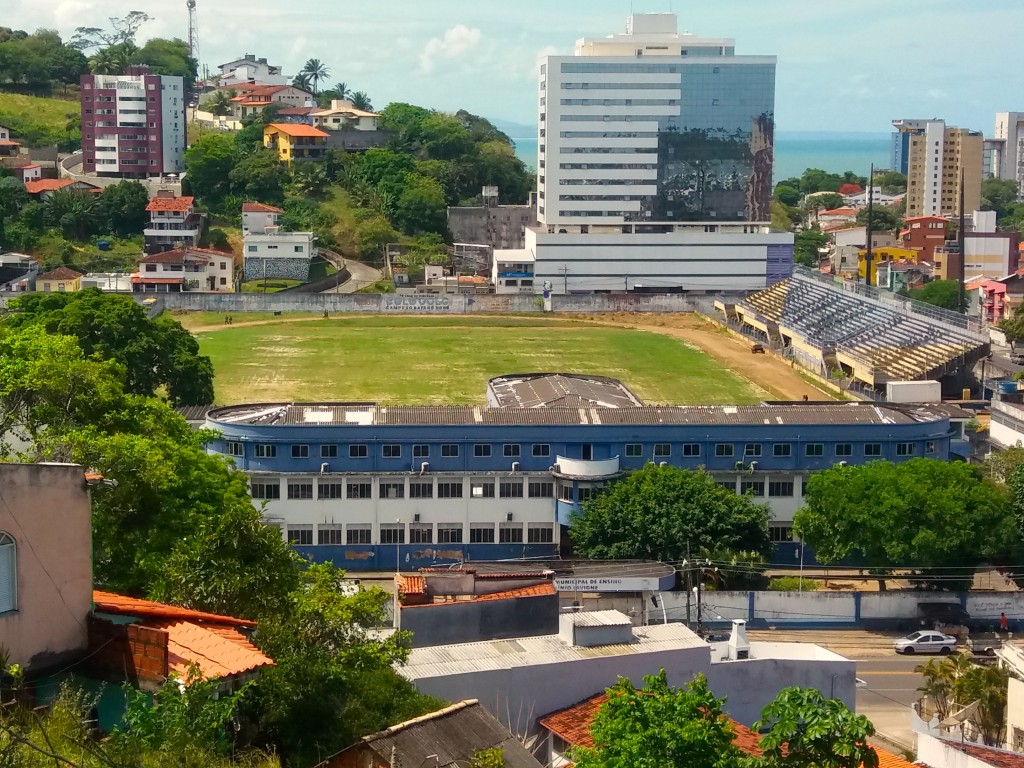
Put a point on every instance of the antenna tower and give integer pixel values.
(193, 31)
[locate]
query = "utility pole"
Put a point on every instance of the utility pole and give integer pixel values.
(688, 585)
(565, 279)
(700, 578)
(961, 240)
(868, 225)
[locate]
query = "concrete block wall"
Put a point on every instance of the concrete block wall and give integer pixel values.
(138, 652)
(281, 269)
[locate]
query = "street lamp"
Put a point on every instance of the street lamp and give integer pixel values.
(800, 555)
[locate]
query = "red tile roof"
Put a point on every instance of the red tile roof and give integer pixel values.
(997, 757)
(298, 130)
(260, 208)
(840, 212)
(108, 602)
(412, 585)
(60, 273)
(8, 143)
(168, 204)
(47, 185)
(537, 590)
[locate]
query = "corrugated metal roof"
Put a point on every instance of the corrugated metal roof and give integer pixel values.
(544, 390)
(371, 414)
(599, 619)
(443, 660)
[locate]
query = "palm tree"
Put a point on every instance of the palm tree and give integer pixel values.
(342, 90)
(361, 100)
(220, 103)
(309, 180)
(317, 72)
(302, 81)
(71, 210)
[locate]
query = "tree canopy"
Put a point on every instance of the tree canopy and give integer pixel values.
(939, 293)
(920, 513)
(806, 247)
(656, 512)
(883, 219)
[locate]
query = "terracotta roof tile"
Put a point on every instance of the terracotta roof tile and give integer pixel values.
(997, 757)
(215, 655)
(537, 590)
(108, 602)
(260, 208)
(412, 585)
(298, 130)
(167, 204)
(46, 185)
(60, 273)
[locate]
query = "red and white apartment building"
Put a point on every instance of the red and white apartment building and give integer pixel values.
(133, 125)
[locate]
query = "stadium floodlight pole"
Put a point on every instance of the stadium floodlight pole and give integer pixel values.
(867, 226)
(961, 245)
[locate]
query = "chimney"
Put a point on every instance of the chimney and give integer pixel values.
(739, 646)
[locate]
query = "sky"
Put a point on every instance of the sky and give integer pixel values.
(843, 66)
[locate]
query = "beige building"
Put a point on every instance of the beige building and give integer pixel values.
(937, 154)
(59, 280)
(45, 563)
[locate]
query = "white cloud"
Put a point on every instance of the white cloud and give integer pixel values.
(457, 42)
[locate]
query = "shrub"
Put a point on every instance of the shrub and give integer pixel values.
(792, 584)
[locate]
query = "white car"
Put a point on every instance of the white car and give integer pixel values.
(925, 642)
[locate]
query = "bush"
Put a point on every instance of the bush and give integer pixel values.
(792, 584)
(217, 239)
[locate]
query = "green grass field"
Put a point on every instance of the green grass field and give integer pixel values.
(444, 360)
(36, 119)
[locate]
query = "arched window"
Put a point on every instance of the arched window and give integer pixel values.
(8, 573)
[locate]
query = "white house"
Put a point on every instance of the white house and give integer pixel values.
(343, 115)
(173, 222)
(31, 172)
(184, 269)
(250, 69)
(271, 252)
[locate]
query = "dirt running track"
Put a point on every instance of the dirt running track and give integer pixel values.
(768, 371)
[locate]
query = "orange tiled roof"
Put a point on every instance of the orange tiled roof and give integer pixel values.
(215, 655)
(412, 585)
(165, 204)
(260, 208)
(108, 602)
(60, 273)
(298, 130)
(547, 588)
(840, 212)
(10, 143)
(46, 185)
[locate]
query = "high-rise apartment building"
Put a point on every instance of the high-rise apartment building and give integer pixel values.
(655, 165)
(133, 125)
(938, 156)
(1004, 152)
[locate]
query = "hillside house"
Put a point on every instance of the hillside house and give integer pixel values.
(185, 269)
(173, 223)
(59, 280)
(294, 141)
(270, 252)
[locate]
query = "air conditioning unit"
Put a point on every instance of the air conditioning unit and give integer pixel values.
(752, 467)
(424, 467)
(508, 517)
(515, 466)
(325, 468)
(416, 517)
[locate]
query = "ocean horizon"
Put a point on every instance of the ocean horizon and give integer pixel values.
(794, 153)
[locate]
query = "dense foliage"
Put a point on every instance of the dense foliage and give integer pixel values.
(939, 293)
(657, 513)
(952, 683)
(35, 62)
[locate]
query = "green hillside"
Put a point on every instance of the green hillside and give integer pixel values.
(39, 121)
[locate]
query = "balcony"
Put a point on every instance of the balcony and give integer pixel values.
(581, 469)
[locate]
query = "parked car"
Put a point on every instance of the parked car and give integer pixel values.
(757, 349)
(925, 642)
(1017, 359)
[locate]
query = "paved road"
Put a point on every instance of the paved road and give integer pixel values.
(890, 688)
(361, 275)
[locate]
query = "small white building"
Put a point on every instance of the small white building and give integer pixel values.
(108, 282)
(512, 271)
(32, 172)
(250, 70)
(343, 115)
(271, 252)
(185, 269)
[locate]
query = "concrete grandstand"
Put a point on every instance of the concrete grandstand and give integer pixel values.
(873, 337)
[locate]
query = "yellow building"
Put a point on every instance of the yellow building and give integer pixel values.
(937, 154)
(888, 253)
(294, 141)
(59, 280)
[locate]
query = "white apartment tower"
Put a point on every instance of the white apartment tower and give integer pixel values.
(1005, 150)
(655, 166)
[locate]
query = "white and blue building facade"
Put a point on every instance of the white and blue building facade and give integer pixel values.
(373, 487)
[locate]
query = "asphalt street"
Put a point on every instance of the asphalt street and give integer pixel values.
(889, 689)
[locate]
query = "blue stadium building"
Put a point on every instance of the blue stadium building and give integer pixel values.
(373, 487)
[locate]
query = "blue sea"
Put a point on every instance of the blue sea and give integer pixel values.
(796, 152)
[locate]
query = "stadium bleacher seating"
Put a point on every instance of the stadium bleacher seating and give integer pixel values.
(890, 340)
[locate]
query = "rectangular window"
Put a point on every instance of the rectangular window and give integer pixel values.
(300, 490)
(929, 446)
(482, 490)
(359, 534)
(782, 450)
(634, 450)
(814, 449)
(234, 449)
(752, 450)
(359, 490)
(328, 451)
(392, 533)
(300, 451)
(301, 535)
(449, 490)
(264, 451)
(510, 450)
(421, 533)
(537, 534)
(662, 450)
(391, 490)
(780, 488)
(510, 490)
(844, 449)
(330, 491)
(723, 450)
(752, 487)
(510, 533)
(421, 490)
(541, 449)
(542, 490)
(481, 534)
(565, 493)
(391, 451)
(691, 449)
(587, 452)
(481, 451)
(268, 490)
(450, 451)
(358, 452)
(872, 449)
(328, 535)
(449, 533)
(780, 533)
(729, 485)
(421, 451)
(905, 449)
